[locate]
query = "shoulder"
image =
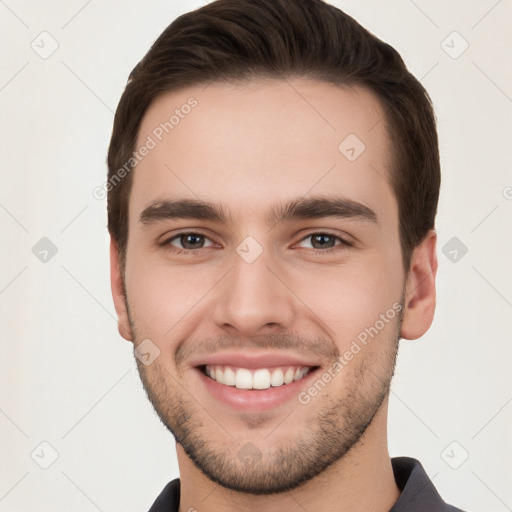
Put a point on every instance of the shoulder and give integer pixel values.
(418, 492)
(169, 499)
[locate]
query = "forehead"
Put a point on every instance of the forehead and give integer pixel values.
(252, 145)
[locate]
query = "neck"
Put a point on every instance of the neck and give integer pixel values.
(362, 480)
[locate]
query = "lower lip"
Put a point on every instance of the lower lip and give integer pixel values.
(255, 400)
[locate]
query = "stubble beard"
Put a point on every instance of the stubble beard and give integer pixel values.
(326, 437)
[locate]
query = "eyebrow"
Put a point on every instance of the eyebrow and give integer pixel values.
(317, 207)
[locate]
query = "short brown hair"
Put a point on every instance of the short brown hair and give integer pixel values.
(232, 40)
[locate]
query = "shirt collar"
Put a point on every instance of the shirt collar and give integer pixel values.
(418, 493)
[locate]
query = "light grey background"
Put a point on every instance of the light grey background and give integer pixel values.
(68, 379)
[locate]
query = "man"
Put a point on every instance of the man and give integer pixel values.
(273, 184)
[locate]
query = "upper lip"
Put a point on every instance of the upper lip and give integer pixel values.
(254, 360)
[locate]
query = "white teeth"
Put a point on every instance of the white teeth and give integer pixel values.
(299, 373)
(262, 378)
(288, 376)
(277, 378)
(243, 379)
(229, 377)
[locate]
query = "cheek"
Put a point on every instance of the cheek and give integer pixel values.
(160, 296)
(352, 298)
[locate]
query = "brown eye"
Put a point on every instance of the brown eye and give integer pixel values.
(187, 242)
(192, 241)
(324, 241)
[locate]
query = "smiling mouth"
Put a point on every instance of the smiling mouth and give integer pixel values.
(255, 378)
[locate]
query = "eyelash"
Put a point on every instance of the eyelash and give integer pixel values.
(330, 250)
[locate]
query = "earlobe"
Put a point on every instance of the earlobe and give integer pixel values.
(420, 292)
(116, 283)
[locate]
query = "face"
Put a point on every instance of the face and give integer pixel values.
(263, 276)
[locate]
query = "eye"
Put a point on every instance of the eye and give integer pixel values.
(184, 242)
(188, 242)
(325, 242)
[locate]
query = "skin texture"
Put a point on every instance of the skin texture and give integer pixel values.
(249, 147)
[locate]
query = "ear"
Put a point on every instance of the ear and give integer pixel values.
(116, 283)
(420, 289)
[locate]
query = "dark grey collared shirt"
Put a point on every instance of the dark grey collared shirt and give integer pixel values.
(418, 492)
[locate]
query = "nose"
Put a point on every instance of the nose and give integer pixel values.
(254, 298)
